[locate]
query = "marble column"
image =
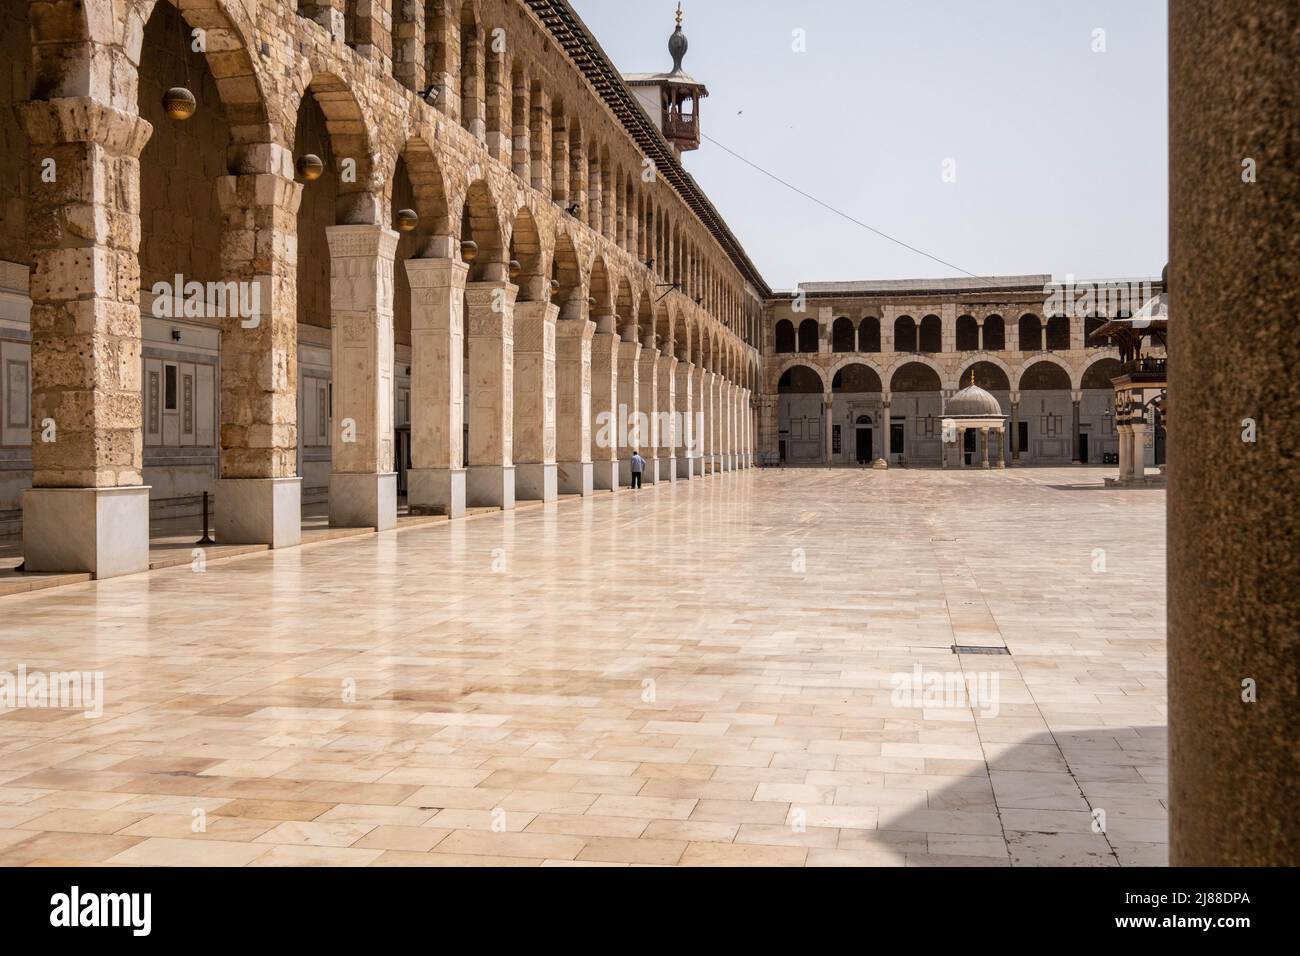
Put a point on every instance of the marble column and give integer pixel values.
(984, 448)
(573, 429)
(606, 423)
(668, 441)
(686, 467)
(88, 508)
(886, 425)
(705, 463)
(1233, 524)
(1015, 428)
(629, 425)
(490, 315)
(1002, 448)
(362, 484)
(648, 378)
(259, 495)
(533, 446)
(436, 480)
(828, 404)
(1074, 429)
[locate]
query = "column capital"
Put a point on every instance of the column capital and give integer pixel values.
(361, 240)
(436, 273)
(82, 119)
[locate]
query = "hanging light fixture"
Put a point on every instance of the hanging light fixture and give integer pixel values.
(555, 286)
(515, 268)
(178, 102)
(407, 220)
(310, 167)
(469, 250)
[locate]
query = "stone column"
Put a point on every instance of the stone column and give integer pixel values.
(1139, 433)
(533, 453)
(1002, 448)
(984, 448)
(828, 403)
(1074, 431)
(705, 438)
(668, 438)
(87, 509)
(628, 424)
(490, 310)
(259, 496)
(689, 439)
(573, 432)
(1015, 428)
(961, 447)
(648, 372)
(606, 426)
(363, 484)
(436, 480)
(1233, 524)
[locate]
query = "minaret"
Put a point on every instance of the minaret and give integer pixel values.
(674, 97)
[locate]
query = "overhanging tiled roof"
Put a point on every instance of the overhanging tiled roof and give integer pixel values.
(576, 40)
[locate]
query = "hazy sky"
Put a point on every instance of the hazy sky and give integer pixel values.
(1059, 152)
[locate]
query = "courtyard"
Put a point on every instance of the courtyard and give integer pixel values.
(703, 672)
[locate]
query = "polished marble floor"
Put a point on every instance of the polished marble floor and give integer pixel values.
(704, 673)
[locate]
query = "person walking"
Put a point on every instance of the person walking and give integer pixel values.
(638, 466)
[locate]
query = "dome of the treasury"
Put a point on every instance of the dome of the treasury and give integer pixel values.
(972, 400)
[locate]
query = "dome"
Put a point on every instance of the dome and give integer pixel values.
(972, 401)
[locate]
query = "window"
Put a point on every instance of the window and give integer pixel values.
(169, 388)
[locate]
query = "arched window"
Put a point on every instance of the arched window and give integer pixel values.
(808, 335)
(931, 334)
(842, 335)
(995, 334)
(784, 336)
(1090, 325)
(904, 334)
(968, 334)
(1058, 333)
(869, 334)
(1031, 334)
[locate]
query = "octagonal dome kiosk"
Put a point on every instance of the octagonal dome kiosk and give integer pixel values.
(973, 410)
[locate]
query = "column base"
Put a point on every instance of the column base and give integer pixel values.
(668, 469)
(363, 501)
(436, 491)
(606, 475)
(259, 511)
(536, 482)
(685, 468)
(101, 530)
(652, 471)
(576, 478)
(491, 486)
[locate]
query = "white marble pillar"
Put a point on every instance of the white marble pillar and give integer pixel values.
(533, 434)
(605, 424)
(363, 484)
(648, 373)
(713, 412)
(669, 441)
(490, 316)
(984, 448)
(828, 404)
(685, 393)
(573, 379)
(436, 481)
(628, 423)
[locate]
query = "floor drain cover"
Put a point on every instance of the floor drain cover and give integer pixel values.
(967, 649)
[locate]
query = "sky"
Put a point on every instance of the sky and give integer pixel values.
(1004, 137)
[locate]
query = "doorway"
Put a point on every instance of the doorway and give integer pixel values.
(1083, 448)
(864, 444)
(968, 447)
(896, 438)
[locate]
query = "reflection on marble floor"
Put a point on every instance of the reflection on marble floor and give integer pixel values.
(699, 673)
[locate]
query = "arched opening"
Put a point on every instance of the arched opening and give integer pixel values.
(916, 411)
(990, 377)
(808, 335)
(1046, 414)
(995, 334)
(905, 334)
(869, 334)
(526, 258)
(801, 426)
(1090, 325)
(1058, 334)
(855, 412)
(931, 334)
(968, 334)
(1031, 333)
(566, 278)
(1098, 437)
(843, 338)
(784, 337)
